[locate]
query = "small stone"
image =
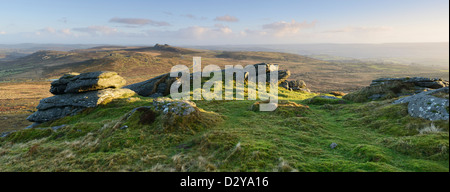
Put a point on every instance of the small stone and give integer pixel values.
(2, 135)
(333, 145)
(33, 126)
(58, 127)
(328, 97)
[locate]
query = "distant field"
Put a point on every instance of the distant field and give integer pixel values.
(426, 54)
(140, 63)
(18, 101)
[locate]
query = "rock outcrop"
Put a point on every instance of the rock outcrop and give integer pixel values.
(78, 83)
(418, 82)
(176, 107)
(295, 85)
(160, 86)
(156, 87)
(74, 93)
(283, 75)
(387, 88)
(425, 105)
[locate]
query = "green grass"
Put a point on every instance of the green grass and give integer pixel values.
(228, 136)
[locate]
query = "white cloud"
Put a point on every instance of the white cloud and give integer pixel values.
(193, 32)
(358, 34)
(283, 28)
(194, 35)
(223, 29)
(227, 18)
(190, 16)
(96, 30)
(66, 31)
(50, 31)
(138, 22)
(360, 29)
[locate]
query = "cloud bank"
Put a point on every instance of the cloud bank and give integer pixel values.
(226, 18)
(138, 22)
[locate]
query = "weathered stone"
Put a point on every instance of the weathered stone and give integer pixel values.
(53, 113)
(432, 85)
(59, 106)
(376, 96)
(417, 81)
(176, 107)
(283, 75)
(295, 85)
(328, 97)
(269, 67)
(333, 145)
(424, 105)
(35, 124)
(285, 84)
(73, 83)
(59, 86)
(280, 105)
(85, 100)
(388, 88)
(158, 86)
(56, 128)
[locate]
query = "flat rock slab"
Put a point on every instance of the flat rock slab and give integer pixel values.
(79, 83)
(59, 106)
(417, 81)
(160, 86)
(156, 87)
(176, 107)
(295, 85)
(426, 106)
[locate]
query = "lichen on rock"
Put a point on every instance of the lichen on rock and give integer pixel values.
(176, 107)
(388, 88)
(75, 92)
(425, 105)
(93, 81)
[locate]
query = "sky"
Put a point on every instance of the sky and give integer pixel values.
(223, 22)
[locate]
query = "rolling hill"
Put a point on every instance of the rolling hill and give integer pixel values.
(140, 63)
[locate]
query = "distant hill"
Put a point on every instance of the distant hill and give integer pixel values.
(30, 47)
(427, 54)
(135, 61)
(141, 63)
(266, 56)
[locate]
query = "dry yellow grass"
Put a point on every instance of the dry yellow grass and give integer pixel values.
(18, 101)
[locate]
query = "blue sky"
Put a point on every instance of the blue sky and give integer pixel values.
(215, 22)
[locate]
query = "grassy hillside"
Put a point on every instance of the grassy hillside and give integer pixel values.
(225, 135)
(228, 136)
